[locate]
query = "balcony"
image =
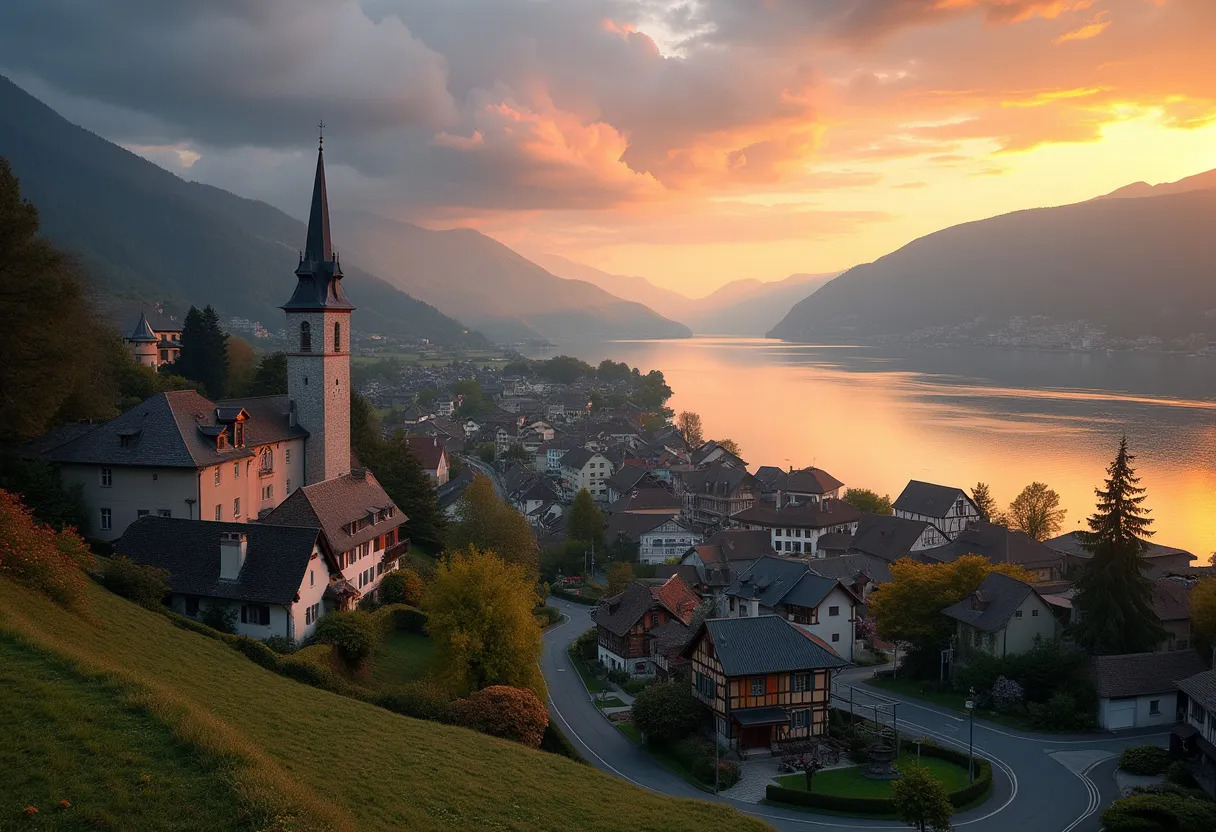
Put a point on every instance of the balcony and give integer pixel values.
(397, 550)
(265, 472)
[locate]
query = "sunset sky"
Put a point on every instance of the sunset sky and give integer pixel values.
(690, 141)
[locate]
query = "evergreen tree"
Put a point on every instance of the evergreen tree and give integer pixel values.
(586, 523)
(981, 495)
(204, 355)
(405, 481)
(270, 378)
(1114, 599)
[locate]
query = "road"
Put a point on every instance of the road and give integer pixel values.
(1042, 783)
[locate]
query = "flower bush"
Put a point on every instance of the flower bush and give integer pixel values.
(36, 556)
(1006, 693)
(502, 711)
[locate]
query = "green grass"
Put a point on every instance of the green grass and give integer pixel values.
(947, 699)
(849, 782)
(71, 737)
(400, 658)
(629, 730)
(610, 702)
(292, 751)
(593, 684)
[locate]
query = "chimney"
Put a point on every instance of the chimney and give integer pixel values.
(233, 546)
(358, 473)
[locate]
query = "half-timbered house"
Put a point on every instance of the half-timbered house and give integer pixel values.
(625, 623)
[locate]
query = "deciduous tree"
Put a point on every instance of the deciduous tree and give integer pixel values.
(620, 575)
(484, 521)
(480, 618)
(689, 426)
(1114, 599)
(586, 524)
(1036, 511)
(667, 711)
(732, 446)
(863, 499)
(921, 801)
(242, 366)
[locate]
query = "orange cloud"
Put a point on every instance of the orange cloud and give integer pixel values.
(1096, 26)
(1015, 11)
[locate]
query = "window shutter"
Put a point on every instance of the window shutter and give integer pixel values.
(265, 615)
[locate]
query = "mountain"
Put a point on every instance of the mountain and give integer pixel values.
(495, 289)
(742, 307)
(144, 235)
(1198, 182)
(1112, 268)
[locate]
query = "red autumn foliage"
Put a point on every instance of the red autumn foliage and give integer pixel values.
(38, 557)
(503, 711)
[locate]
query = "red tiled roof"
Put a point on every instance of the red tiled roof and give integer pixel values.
(679, 599)
(428, 449)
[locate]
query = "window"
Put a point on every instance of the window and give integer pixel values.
(255, 614)
(305, 337)
(833, 611)
(192, 606)
(742, 609)
(706, 686)
(800, 682)
(267, 460)
(1154, 707)
(1017, 613)
(218, 512)
(107, 521)
(960, 507)
(107, 478)
(1197, 712)
(835, 636)
(1034, 613)
(758, 686)
(236, 507)
(337, 337)
(800, 719)
(217, 475)
(311, 614)
(236, 470)
(141, 512)
(268, 492)
(311, 578)
(164, 512)
(287, 454)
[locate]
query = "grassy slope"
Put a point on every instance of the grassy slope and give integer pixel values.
(401, 658)
(331, 761)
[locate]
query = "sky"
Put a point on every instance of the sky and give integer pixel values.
(694, 142)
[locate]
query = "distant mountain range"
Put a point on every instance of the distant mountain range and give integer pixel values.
(143, 235)
(1137, 264)
(496, 290)
(742, 307)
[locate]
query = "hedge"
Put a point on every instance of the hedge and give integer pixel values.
(884, 805)
(570, 596)
(555, 742)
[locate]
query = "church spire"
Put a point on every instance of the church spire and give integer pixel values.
(317, 246)
(319, 276)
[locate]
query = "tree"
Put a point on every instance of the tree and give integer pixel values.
(502, 711)
(921, 801)
(474, 403)
(403, 478)
(487, 523)
(270, 378)
(402, 586)
(667, 711)
(908, 609)
(586, 524)
(242, 366)
(732, 446)
(353, 633)
(689, 426)
(1114, 600)
(1036, 511)
(981, 495)
(480, 618)
(1203, 611)
(620, 575)
(204, 355)
(516, 453)
(863, 499)
(59, 359)
(653, 422)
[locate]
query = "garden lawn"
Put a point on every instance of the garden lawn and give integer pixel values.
(610, 702)
(593, 684)
(380, 771)
(849, 782)
(399, 658)
(948, 699)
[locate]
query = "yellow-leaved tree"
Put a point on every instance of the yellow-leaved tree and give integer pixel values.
(479, 611)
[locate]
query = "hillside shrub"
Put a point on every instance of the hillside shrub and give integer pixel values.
(551, 615)
(36, 556)
(281, 645)
(1180, 775)
(220, 617)
(421, 699)
(314, 665)
(618, 677)
(1150, 812)
(404, 619)
(588, 644)
(667, 711)
(145, 585)
(515, 714)
(729, 772)
(353, 634)
(1144, 759)
(635, 686)
(403, 586)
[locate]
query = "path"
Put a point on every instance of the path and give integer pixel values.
(1041, 783)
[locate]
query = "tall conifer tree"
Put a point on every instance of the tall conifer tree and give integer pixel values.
(1114, 599)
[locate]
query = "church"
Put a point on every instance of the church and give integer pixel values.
(249, 503)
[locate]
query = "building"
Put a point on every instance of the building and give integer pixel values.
(949, 509)
(179, 454)
(659, 537)
(626, 479)
(360, 527)
(885, 536)
(624, 623)
(805, 485)
(1137, 690)
(715, 493)
(433, 454)
(1172, 604)
(788, 588)
(1002, 617)
(795, 528)
(731, 551)
(1001, 545)
(766, 681)
(712, 453)
(1161, 560)
(155, 340)
(861, 574)
(273, 580)
(1197, 734)
(653, 500)
(582, 468)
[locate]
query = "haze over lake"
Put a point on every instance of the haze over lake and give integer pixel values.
(877, 417)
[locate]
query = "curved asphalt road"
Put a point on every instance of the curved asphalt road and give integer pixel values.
(1042, 783)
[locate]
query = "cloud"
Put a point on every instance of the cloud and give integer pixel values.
(1094, 27)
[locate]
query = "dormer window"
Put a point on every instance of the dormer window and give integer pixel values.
(305, 337)
(221, 441)
(239, 437)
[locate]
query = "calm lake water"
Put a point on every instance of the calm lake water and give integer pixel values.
(877, 417)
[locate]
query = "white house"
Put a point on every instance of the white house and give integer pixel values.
(1002, 617)
(820, 606)
(1198, 731)
(796, 528)
(947, 508)
(583, 468)
(1138, 690)
(660, 537)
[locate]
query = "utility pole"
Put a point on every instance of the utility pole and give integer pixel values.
(971, 736)
(717, 751)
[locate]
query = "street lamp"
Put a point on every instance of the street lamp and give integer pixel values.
(971, 735)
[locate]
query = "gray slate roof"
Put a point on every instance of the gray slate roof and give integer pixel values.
(804, 515)
(886, 535)
(142, 332)
(626, 478)
(777, 581)
(849, 568)
(997, 543)
(928, 499)
(647, 499)
(576, 458)
(1201, 687)
(1070, 544)
(991, 606)
(766, 644)
(1136, 674)
(275, 563)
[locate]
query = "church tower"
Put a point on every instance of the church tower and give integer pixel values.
(318, 357)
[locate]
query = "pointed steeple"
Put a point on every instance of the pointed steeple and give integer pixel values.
(317, 246)
(143, 331)
(319, 284)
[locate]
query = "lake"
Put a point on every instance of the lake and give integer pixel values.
(876, 417)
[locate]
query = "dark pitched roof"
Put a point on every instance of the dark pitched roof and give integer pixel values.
(705, 451)
(633, 526)
(1136, 674)
(275, 563)
(886, 535)
(928, 499)
(453, 489)
(1071, 544)
(765, 644)
(1201, 687)
(774, 581)
(626, 477)
(620, 612)
(319, 277)
(991, 606)
(671, 638)
(269, 418)
(716, 478)
(430, 450)
(538, 489)
(142, 331)
(997, 543)
(331, 504)
(836, 542)
(576, 458)
(686, 571)
(848, 568)
(819, 515)
(809, 481)
(1171, 599)
(647, 499)
(732, 545)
